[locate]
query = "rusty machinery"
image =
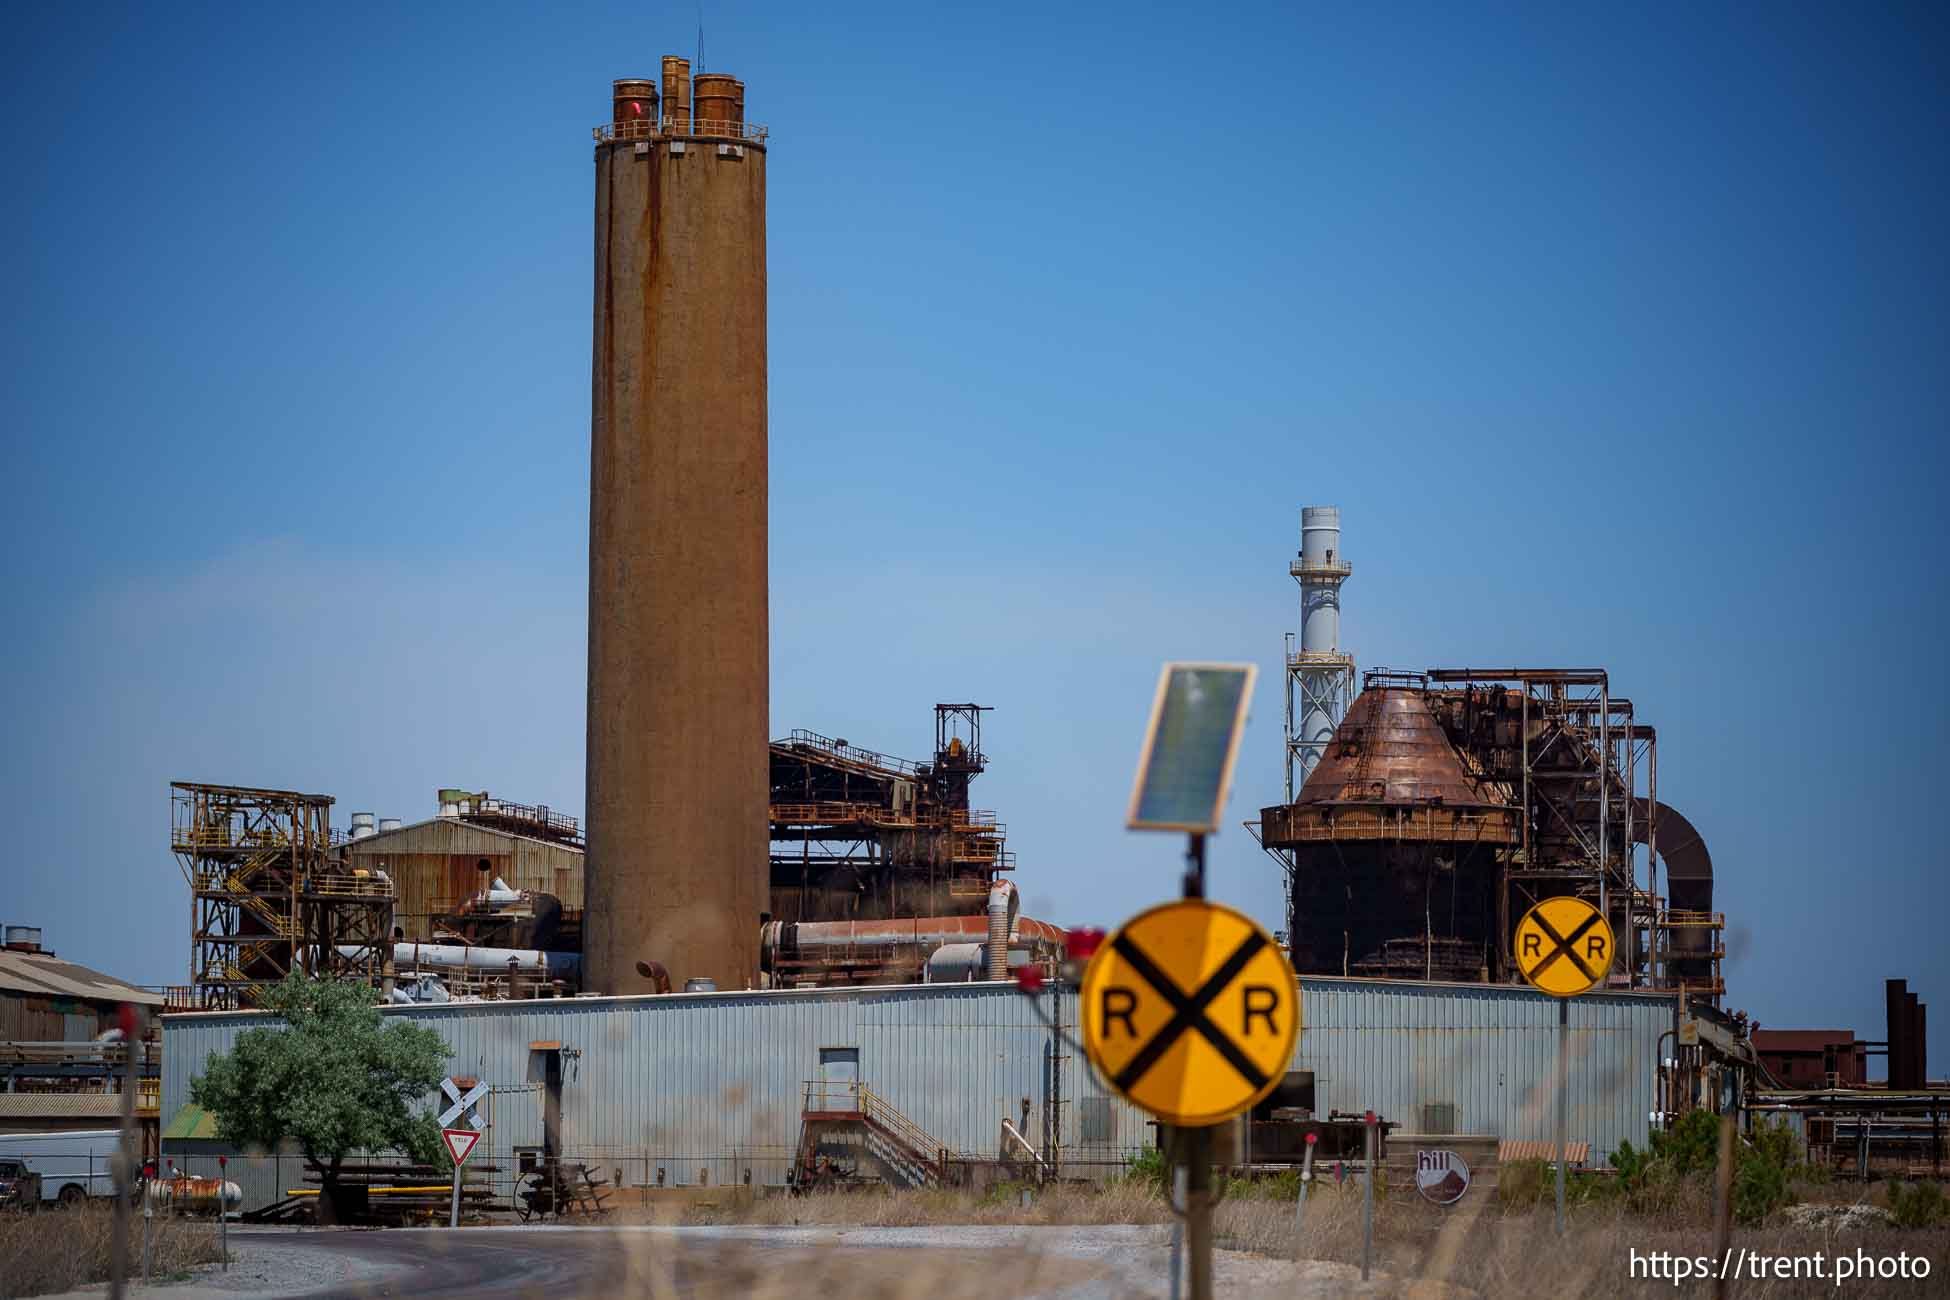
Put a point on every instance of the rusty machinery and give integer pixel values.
(1448, 801)
(860, 835)
(267, 896)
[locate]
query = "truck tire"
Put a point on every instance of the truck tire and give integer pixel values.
(73, 1194)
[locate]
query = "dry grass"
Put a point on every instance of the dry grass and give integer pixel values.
(58, 1250)
(1120, 1202)
(1478, 1247)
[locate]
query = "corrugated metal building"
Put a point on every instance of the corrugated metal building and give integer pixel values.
(438, 862)
(705, 1087)
(46, 1000)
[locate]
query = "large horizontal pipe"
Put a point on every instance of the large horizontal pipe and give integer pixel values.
(459, 956)
(805, 936)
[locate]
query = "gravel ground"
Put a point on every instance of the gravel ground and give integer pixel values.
(256, 1269)
(1125, 1260)
(1113, 1262)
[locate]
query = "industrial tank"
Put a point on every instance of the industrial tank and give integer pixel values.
(1395, 842)
(678, 673)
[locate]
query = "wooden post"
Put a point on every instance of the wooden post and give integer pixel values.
(1723, 1206)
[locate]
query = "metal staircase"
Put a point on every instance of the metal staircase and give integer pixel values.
(841, 1123)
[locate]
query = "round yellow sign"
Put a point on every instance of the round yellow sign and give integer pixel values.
(1564, 946)
(1191, 1012)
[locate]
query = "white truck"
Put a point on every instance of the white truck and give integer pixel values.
(74, 1166)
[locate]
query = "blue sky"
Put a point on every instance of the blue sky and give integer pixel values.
(1617, 333)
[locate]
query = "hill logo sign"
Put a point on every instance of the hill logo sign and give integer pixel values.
(1441, 1176)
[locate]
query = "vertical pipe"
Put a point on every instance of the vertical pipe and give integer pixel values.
(676, 95)
(1367, 1196)
(1524, 729)
(1652, 849)
(1631, 856)
(1290, 679)
(1897, 1055)
(1563, 1060)
(1604, 798)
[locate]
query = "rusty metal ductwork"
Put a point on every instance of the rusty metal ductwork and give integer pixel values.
(1002, 924)
(654, 972)
(894, 950)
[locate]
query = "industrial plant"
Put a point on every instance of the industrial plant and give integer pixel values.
(768, 955)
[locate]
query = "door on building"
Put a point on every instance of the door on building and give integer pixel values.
(839, 1076)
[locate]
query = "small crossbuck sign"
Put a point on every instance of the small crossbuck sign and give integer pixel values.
(1564, 946)
(1191, 1012)
(460, 1142)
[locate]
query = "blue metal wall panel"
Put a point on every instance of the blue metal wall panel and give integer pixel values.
(711, 1085)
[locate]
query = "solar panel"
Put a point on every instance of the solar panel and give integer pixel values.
(1196, 718)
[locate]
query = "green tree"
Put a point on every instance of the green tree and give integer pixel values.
(336, 1078)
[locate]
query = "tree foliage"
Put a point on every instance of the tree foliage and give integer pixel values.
(1681, 1163)
(336, 1078)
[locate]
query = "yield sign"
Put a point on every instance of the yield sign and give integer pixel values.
(460, 1141)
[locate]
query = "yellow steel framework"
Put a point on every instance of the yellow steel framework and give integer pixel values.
(267, 896)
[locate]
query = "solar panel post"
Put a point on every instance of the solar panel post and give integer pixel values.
(1195, 866)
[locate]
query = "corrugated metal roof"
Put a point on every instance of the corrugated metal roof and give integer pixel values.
(392, 838)
(1513, 1149)
(48, 976)
(64, 1105)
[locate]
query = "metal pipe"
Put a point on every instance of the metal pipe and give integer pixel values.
(1002, 917)
(457, 956)
(1367, 1196)
(956, 963)
(1563, 1057)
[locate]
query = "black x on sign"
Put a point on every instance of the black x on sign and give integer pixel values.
(1191, 1012)
(1564, 946)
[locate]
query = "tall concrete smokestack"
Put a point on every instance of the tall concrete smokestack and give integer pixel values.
(1320, 678)
(678, 672)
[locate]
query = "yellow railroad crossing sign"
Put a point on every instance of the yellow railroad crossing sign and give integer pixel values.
(1191, 1011)
(1564, 946)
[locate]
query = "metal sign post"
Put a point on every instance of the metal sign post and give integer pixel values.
(131, 1023)
(1564, 947)
(460, 1142)
(1244, 1005)
(1178, 1205)
(466, 1096)
(1367, 1196)
(1563, 1069)
(1306, 1177)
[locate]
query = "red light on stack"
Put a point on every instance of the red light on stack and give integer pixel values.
(1312, 1138)
(1080, 943)
(1029, 979)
